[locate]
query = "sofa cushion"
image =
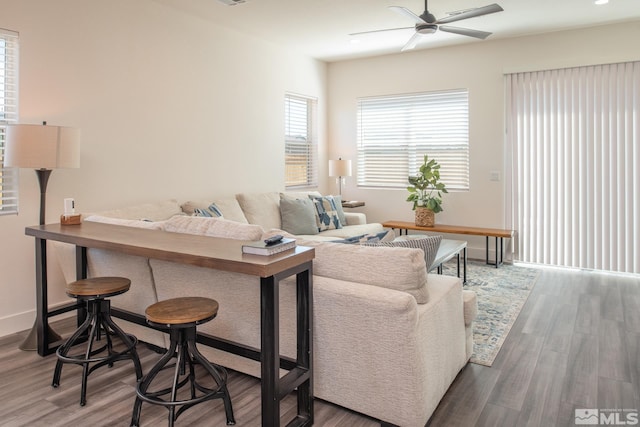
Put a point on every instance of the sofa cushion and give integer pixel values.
(229, 207)
(353, 230)
(214, 227)
(326, 213)
(211, 211)
(261, 208)
(300, 194)
(150, 211)
(383, 236)
(373, 266)
(298, 216)
(428, 244)
(153, 225)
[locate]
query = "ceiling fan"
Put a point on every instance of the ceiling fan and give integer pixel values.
(428, 24)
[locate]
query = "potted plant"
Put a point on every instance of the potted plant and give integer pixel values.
(425, 192)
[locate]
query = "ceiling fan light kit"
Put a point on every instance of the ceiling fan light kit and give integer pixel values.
(426, 28)
(427, 23)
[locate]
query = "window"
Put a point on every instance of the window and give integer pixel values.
(8, 115)
(395, 132)
(300, 141)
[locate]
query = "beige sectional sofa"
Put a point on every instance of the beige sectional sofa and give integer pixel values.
(389, 338)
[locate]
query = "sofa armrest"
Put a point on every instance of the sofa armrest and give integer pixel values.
(470, 304)
(355, 218)
(417, 349)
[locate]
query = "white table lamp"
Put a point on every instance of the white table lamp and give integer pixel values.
(42, 148)
(340, 169)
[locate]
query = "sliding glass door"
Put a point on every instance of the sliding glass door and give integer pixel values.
(573, 142)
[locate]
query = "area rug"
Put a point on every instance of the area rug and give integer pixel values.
(501, 294)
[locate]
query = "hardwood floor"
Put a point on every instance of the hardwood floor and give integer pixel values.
(575, 345)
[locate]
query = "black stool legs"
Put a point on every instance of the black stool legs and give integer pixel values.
(98, 322)
(183, 346)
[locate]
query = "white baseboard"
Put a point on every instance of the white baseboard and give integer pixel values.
(24, 321)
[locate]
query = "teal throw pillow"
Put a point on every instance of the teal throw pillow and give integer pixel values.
(298, 216)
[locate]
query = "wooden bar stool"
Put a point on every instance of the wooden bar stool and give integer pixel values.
(98, 323)
(180, 316)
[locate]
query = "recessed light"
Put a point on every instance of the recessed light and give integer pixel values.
(601, 1)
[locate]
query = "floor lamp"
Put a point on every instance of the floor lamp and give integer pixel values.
(340, 169)
(42, 148)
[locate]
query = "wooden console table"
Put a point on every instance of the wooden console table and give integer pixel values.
(220, 254)
(498, 233)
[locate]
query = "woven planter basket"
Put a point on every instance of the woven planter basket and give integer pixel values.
(425, 217)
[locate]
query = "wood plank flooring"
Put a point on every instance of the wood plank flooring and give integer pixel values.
(575, 345)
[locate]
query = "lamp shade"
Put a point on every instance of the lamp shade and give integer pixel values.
(339, 167)
(42, 147)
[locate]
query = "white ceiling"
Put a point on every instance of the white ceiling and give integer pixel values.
(321, 28)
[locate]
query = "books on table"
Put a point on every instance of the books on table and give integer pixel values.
(262, 248)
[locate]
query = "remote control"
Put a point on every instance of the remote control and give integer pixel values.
(273, 239)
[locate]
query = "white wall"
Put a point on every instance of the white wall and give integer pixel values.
(480, 68)
(170, 106)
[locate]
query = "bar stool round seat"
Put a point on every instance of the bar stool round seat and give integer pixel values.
(181, 316)
(98, 324)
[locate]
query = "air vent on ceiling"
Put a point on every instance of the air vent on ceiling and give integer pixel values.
(232, 2)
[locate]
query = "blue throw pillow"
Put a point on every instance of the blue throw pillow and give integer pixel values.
(326, 213)
(212, 211)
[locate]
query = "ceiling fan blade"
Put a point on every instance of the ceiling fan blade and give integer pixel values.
(380, 31)
(465, 32)
(406, 12)
(485, 10)
(413, 41)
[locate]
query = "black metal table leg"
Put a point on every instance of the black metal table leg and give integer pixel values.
(300, 378)
(270, 351)
(42, 321)
(304, 304)
(486, 246)
(464, 265)
(499, 252)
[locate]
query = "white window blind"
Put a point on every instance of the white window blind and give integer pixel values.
(300, 141)
(8, 115)
(395, 132)
(574, 141)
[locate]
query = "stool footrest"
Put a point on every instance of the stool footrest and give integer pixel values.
(183, 348)
(97, 324)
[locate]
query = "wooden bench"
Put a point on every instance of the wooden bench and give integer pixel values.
(498, 233)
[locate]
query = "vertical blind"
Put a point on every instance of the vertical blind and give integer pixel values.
(395, 132)
(8, 115)
(574, 141)
(300, 141)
